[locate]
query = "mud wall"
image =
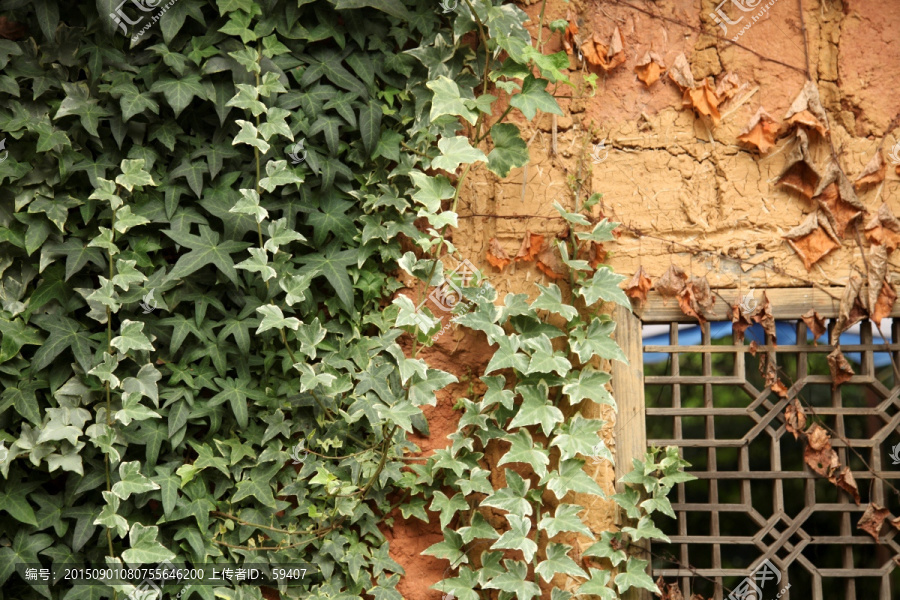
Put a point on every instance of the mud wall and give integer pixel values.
(687, 191)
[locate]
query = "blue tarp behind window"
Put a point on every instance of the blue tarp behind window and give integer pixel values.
(786, 331)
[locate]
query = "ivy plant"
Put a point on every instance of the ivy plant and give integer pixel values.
(200, 215)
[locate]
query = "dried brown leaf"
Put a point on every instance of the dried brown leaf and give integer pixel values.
(884, 306)
(728, 86)
(819, 454)
(795, 418)
(551, 264)
(569, 35)
(639, 286)
(884, 228)
(496, 255)
(851, 310)
(606, 56)
(807, 111)
(763, 316)
(873, 173)
(671, 283)
(760, 132)
(597, 255)
(753, 348)
(815, 323)
(812, 239)
(696, 298)
(843, 478)
(838, 200)
(11, 30)
(680, 73)
(739, 324)
(877, 274)
(704, 101)
(649, 68)
(532, 244)
(873, 519)
(800, 174)
(841, 371)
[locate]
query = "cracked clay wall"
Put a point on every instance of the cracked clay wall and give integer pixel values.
(687, 192)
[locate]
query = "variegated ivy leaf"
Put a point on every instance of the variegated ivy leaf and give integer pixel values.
(107, 191)
(295, 287)
(278, 174)
(250, 135)
(258, 263)
(247, 98)
(273, 318)
(280, 234)
(455, 151)
(604, 285)
(126, 274)
(131, 338)
(517, 537)
(447, 100)
(105, 369)
(249, 205)
(133, 174)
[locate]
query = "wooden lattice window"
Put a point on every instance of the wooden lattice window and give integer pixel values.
(755, 499)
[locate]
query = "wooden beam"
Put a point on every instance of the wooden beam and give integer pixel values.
(786, 303)
(628, 390)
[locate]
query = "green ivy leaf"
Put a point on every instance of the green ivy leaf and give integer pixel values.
(510, 151)
(448, 507)
(588, 384)
(536, 408)
(596, 341)
(565, 519)
(646, 530)
(609, 547)
(534, 97)
(596, 585)
(602, 232)
(133, 174)
(511, 498)
(131, 338)
(205, 249)
(131, 481)
(144, 546)
(514, 581)
(179, 92)
(450, 549)
(605, 285)
(273, 318)
(526, 451)
(635, 576)
(517, 537)
(558, 561)
(577, 436)
(448, 101)
(571, 478)
(454, 151)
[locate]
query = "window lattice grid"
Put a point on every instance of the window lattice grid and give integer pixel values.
(755, 498)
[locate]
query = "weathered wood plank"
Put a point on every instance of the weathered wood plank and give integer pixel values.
(786, 303)
(628, 390)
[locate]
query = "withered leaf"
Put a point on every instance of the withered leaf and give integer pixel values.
(496, 255)
(649, 68)
(670, 591)
(800, 174)
(532, 244)
(569, 35)
(837, 199)
(873, 173)
(728, 86)
(873, 519)
(597, 255)
(895, 523)
(807, 110)
(551, 264)
(795, 418)
(819, 454)
(606, 56)
(753, 348)
(680, 73)
(763, 316)
(815, 323)
(841, 371)
(851, 310)
(884, 306)
(704, 101)
(671, 282)
(696, 298)
(739, 323)
(884, 228)
(812, 239)
(638, 287)
(843, 478)
(877, 274)
(11, 30)
(760, 132)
